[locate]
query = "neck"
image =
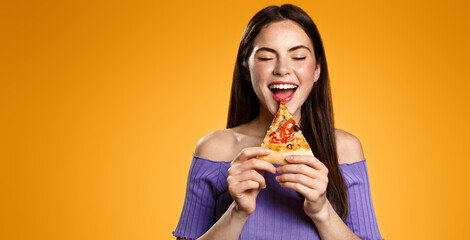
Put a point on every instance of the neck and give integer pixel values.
(297, 116)
(261, 123)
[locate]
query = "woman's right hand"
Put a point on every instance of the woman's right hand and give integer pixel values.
(246, 178)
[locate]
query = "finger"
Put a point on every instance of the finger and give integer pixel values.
(249, 184)
(306, 159)
(296, 178)
(297, 168)
(302, 189)
(252, 175)
(251, 152)
(257, 164)
(305, 170)
(304, 180)
(241, 187)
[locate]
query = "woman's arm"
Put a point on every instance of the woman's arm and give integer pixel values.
(331, 226)
(245, 180)
(308, 176)
(229, 226)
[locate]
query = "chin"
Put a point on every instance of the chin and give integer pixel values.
(294, 106)
(273, 108)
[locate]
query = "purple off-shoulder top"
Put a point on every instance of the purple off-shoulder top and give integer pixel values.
(279, 211)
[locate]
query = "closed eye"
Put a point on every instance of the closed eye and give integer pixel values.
(265, 59)
(299, 58)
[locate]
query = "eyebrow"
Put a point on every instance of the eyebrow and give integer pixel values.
(290, 50)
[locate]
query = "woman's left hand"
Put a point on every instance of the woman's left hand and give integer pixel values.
(308, 176)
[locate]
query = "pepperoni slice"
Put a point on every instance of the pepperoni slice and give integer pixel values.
(284, 134)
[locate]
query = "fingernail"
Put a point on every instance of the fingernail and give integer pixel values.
(288, 158)
(267, 150)
(278, 169)
(277, 178)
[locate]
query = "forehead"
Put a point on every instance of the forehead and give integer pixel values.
(282, 34)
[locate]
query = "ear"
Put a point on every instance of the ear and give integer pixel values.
(317, 72)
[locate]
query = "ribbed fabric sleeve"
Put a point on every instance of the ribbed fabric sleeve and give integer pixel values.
(204, 183)
(361, 219)
(279, 211)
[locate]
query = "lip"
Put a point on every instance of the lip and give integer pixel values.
(287, 99)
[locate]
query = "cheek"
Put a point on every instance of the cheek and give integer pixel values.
(259, 72)
(306, 70)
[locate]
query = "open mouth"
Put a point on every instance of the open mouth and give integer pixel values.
(283, 91)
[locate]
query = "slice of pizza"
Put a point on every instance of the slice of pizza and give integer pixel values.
(284, 138)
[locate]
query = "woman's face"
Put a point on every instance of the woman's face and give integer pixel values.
(282, 66)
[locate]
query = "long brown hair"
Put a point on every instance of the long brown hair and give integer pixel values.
(317, 121)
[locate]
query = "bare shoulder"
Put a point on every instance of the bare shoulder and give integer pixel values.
(348, 146)
(217, 146)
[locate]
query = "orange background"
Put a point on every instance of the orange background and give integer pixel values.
(103, 103)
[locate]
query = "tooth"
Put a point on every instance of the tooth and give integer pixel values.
(282, 86)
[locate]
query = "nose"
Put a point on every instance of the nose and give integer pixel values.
(282, 67)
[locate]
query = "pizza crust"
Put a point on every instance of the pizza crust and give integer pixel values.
(279, 157)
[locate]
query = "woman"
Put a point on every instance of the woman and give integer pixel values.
(233, 195)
